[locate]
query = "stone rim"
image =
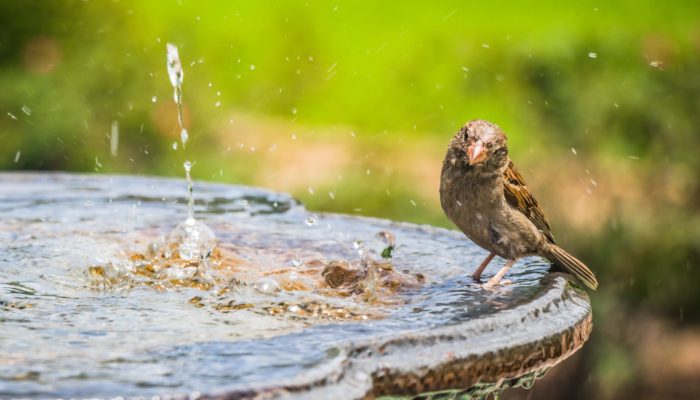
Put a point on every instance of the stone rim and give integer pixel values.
(370, 370)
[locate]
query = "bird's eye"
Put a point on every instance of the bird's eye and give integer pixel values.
(489, 145)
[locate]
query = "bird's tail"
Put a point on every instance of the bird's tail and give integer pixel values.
(573, 266)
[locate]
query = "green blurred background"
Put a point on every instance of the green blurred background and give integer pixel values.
(350, 106)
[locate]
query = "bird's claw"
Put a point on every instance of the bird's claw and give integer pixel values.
(492, 284)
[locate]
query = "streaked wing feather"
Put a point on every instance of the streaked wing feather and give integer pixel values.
(519, 197)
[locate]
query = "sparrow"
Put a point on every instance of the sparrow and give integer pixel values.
(483, 193)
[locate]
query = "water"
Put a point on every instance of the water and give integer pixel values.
(91, 306)
(191, 240)
(176, 76)
(114, 139)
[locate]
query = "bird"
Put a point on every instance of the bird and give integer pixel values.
(485, 196)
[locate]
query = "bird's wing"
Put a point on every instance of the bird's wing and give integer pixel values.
(520, 198)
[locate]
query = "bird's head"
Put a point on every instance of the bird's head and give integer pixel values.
(483, 145)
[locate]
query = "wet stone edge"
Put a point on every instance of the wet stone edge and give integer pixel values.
(465, 369)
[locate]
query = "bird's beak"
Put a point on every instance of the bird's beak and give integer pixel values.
(476, 153)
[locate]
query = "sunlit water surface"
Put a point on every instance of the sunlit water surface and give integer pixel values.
(80, 319)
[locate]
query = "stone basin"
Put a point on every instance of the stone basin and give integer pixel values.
(295, 305)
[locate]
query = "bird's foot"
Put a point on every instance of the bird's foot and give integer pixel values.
(493, 283)
(498, 278)
(489, 285)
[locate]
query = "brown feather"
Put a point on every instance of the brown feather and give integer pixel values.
(520, 198)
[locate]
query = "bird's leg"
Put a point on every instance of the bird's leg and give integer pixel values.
(499, 275)
(477, 274)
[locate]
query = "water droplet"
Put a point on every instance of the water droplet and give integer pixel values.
(592, 55)
(310, 220)
(114, 138)
(311, 191)
(359, 247)
(486, 46)
(17, 156)
(294, 110)
(174, 66)
(252, 67)
(296, 261)
(174, 145)
(413, 203)
(267, 285)
(26, 110)
(573, 151)
(188, 166)
(655, 63)
(12, 116)
(217, 104)
(331, 195)
(184, 136)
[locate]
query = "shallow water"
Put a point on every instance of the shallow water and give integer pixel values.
(65, 335)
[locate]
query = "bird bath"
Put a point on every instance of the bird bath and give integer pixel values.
(89, 307)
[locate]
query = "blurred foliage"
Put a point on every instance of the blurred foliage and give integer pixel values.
(350, 105)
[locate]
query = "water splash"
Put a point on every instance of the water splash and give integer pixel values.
(191, 240)
(190, 189)
(176, 75)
